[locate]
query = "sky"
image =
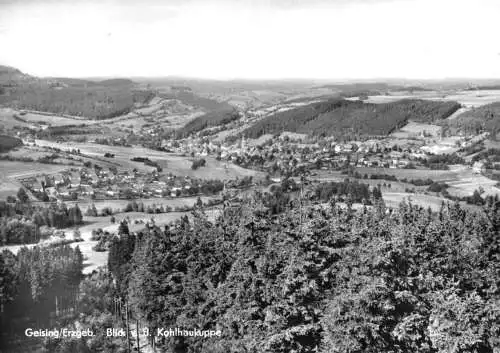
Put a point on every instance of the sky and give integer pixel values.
(253, 39)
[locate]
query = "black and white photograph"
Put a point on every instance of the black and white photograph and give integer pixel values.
(250, 176)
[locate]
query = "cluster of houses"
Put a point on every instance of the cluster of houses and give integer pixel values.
(286, 155)
(64, 184)
(84, 183)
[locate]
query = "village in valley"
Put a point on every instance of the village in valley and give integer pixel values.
(100, 168)
(257, 176)
(93, 178)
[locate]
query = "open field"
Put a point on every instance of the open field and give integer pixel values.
(122, 154)
(458, 112)
(416, 130)
(259, 141)
(173, 163)
(9, 171)
(395, 96)
(94, 259)
(466, 185)
(71, 160)
(119, 205)
(52, 119)
(33, 152)
(436, 175)
(7, 120)
(167, 120)
(181, 165)
(462, 183)
(466, 98)
(475, 98)
(393, 199)
(396, 186)
(461, 179)
(8, 188)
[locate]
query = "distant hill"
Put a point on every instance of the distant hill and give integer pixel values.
(71, 82)
(10, 76)
(365, 89)
(361, 86)
(483, 118)
(339, 117)
(8, 142)
(80, 97)
(78, 82)
(207, 104)
(411, 89)
(485, 88)
(115, 82)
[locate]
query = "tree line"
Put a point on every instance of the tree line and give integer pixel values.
(485, 118)
(220, 116)
(302, 279)
(320, 279)
(337, 117)
(20, 223)
(36, 284)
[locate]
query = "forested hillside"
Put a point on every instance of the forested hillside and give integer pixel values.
(484, 118)
(210, 119)
(342, 117)
(10, 76)
(99, 100)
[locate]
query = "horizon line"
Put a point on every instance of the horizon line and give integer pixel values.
(262, 79)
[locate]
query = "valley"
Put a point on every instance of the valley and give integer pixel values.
(107, 170)
(243, 131)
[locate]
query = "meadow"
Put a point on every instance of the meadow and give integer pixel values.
(393, 199)
(170, 162)
(50, 119)
(395, 186)
(416, 130)
(8, 120)
(436, 175)
(94, 259)
(461, 179)
(119, 205)
(464, 97)
(10, 171)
